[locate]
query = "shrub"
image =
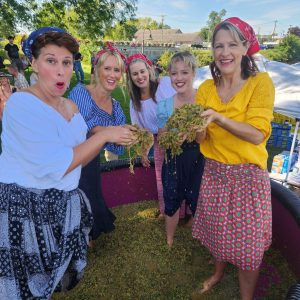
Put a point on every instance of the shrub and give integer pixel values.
(288, 50)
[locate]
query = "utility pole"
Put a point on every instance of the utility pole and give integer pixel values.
(162, 29)
(258, 34)
(272, 34)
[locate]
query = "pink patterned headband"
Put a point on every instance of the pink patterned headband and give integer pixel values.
(108, 47)
(138, 56)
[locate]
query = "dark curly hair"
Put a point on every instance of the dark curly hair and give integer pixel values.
(60, 39)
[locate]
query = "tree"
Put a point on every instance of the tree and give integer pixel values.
(52, 13)
(204, 33)
(13, 13)
(122, 31)
(294, 30)
(288, 50)
(96, 16)
(214, 18)
(90, 18)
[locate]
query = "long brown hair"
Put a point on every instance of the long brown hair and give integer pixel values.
(135, 92)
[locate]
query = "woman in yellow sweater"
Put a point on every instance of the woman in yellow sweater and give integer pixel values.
(233, 216)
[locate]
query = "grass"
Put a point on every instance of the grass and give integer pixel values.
(134, 262)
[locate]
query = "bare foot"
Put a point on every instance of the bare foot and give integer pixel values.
(210, 283)
(211, 261)
(161, 217)
(170, 242)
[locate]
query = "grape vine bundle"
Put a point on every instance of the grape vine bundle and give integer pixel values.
(144, 141)
(182, 125)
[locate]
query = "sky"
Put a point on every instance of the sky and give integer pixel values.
(192, 15)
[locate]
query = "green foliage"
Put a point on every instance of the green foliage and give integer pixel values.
(147, 23)
(182, 126)
(204, 33)
(89, 18)
(134, 262)
(96, 16)
(141, 148)
(203, 57)
(214, 18)
(288, 50)
(14, 12)
(52, 12)
(122, 31)
(165, 59)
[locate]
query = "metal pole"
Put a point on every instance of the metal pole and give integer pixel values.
(143, 41)
(291, 151)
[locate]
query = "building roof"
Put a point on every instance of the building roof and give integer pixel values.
(173, 36)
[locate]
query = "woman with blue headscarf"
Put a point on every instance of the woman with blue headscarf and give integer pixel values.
(44, 218)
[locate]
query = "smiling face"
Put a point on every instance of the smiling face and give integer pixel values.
(139, 74)
(228, 51)
(182, 76)
(54, 66)
(109, 73)
(4, 84)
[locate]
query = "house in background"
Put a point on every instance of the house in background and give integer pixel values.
(166, 37)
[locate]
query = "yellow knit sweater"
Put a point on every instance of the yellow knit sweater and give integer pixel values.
(253, 104)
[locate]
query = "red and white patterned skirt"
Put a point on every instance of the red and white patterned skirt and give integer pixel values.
(233, 218)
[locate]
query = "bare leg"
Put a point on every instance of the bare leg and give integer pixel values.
(215, 278)
(91, 244)
(190, 221)
(171, 224)
(247, 280)
(159, 156)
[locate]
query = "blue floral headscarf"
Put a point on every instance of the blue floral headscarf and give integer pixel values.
(33, 36)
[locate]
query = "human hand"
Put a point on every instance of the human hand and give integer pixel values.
(130, 127)
(182, 137)
(145, 162)
(121, 135)
(200, 135)
(212, 116)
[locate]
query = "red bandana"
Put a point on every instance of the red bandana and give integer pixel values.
(108, 47)
(247, 32)
(138, 56)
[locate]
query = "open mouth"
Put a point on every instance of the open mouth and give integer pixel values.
(60, 85)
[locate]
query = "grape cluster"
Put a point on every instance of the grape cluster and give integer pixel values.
(182, 125)
(144, 141)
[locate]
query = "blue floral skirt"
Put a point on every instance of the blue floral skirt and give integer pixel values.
(43, 244)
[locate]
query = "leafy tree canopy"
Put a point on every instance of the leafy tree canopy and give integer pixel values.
(214, 18)
(13, 13)
(124, 31)
(88, 18)
(288, 50)
(294, 30)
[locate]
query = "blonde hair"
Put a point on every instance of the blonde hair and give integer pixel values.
(101, 60)
(187, 57)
